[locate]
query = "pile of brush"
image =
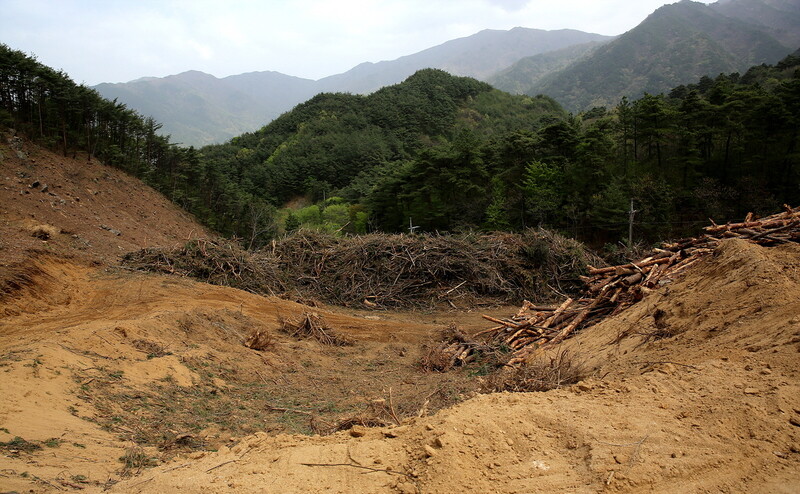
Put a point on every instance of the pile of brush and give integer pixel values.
(312, 325)
(218, 263)
(381, 271)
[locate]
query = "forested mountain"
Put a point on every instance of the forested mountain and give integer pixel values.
(676, 44)
(778, 18)
(519, 77)
(448, 154)
(351, 145)
(197, 108)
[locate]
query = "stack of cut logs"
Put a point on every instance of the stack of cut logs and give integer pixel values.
(610, 290)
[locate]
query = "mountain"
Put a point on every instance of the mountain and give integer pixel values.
(480, 56)
(197, 108)
(519, 77)
(676, 44)
(779, 18)
(422, 135)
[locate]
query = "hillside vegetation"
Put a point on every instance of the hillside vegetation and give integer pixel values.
(450, 153)
(525, 73)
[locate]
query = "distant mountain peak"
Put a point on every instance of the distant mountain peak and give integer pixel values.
(676, 44)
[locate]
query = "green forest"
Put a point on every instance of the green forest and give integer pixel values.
(450, 154)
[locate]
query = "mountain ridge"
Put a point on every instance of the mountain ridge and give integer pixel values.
(677, 43)
(256, 98)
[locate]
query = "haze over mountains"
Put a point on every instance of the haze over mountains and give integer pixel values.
(198, 108)
(676, 44)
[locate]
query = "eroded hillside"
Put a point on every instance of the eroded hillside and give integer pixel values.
(76, 207)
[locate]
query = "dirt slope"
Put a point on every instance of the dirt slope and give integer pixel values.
(710, 408)
(79, 208)
(98, 361)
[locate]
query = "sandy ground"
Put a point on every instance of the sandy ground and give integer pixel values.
(133, 382)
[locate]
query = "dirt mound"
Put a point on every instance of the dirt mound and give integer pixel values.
(388, 271)
(611, 290)
(711, 405)
(79, 208)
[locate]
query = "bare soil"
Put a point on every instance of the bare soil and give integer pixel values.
(113, 379)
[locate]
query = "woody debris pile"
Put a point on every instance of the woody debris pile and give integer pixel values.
(611, 290)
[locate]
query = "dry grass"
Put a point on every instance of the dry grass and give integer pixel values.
(135, 460)
(260, 339)
(543, 373)
(44, 231)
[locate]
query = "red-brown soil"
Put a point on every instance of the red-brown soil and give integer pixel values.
(91, 211)
(141, 383)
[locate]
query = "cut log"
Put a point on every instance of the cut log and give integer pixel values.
(500, 321)
(640, 264)
(560, 310)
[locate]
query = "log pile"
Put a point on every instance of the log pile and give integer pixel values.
(454, 349)
(610, 290)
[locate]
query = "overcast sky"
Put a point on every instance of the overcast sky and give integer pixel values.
(119, 40)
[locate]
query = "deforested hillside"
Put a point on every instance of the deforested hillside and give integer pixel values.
(693, 387)
(50, 109)
(76, 207)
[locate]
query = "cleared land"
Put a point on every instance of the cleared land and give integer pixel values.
(140, 382)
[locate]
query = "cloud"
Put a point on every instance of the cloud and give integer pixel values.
(509, 5)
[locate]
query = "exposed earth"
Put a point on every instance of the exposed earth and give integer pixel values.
(111, 379)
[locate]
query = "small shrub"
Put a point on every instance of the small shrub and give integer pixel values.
(312, 325)
(260, 339)
(134, 460)
(19, 444)
(44, 232)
